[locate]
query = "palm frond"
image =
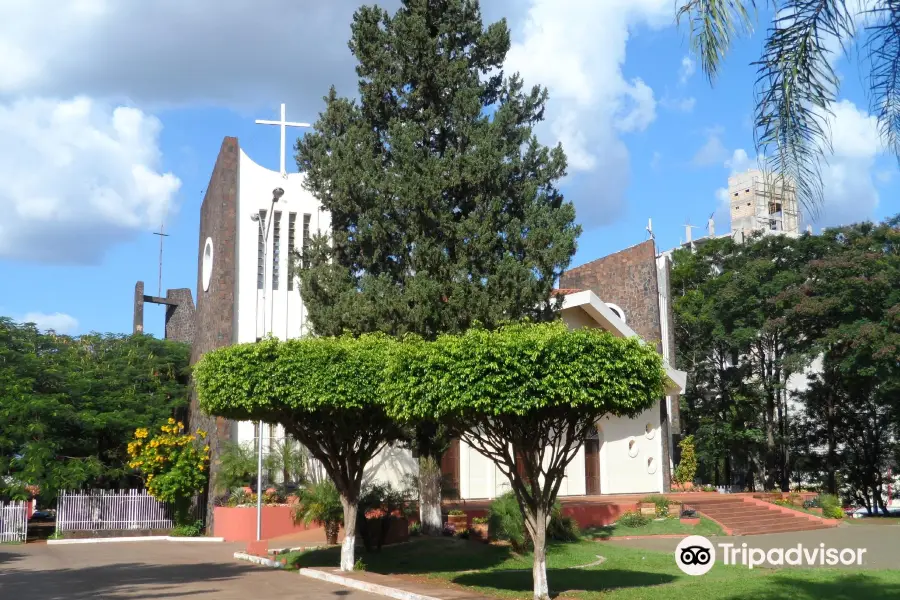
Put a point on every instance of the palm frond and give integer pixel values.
(796, 86)
(883, 50)
(715, 24)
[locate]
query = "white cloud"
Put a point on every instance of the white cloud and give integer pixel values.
(678, 104)
(174, 53)
(713, 151)
(740, 162)
(77, 177)
(577, 48)
(688, 67)
(59, 322)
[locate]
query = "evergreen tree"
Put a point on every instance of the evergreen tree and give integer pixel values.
(444, 206)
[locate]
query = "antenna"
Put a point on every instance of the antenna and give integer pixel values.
(161, 236)
(650, 229)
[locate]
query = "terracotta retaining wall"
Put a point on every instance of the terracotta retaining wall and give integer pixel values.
(239, 524)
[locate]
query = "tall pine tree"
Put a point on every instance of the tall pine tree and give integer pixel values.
(444, 206)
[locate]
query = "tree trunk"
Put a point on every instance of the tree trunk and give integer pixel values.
(430, 495)
(537, 527)
(349, 546)
(831, 457)
(770, 442)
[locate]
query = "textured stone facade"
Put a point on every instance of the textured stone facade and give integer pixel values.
(214, 321)
(180, 316)
(628, 280)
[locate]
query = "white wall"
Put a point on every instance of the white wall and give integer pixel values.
(281, 312)
(621, 473)
(392, 466)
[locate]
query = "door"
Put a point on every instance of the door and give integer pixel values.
(592, 465)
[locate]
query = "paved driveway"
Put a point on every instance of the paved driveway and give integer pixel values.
(882, 542)
(149, 571)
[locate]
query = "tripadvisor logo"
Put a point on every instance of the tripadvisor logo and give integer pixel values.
(695, 555)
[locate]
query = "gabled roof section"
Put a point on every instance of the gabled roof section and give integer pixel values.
(590, 303)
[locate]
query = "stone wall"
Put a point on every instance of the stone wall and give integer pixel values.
(628, 280)
(215, 314)
(180, 318)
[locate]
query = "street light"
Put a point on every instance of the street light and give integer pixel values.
(277, 193)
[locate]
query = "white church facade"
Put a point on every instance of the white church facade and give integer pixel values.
(251, 220)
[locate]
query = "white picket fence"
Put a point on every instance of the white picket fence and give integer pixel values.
(111, 509)
(13, 522)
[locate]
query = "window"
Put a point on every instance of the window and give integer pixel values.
(292, 226)
(306, 219)
(276, 249)
(261, 252)
(735, 194)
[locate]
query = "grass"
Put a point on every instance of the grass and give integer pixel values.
(705, 528)
(626, 574)
(873, 520)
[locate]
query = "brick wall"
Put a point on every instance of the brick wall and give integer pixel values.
(628, 280)
(214, 319)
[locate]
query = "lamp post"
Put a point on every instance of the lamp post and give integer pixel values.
(277, 193)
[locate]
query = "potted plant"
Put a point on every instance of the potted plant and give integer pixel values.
(320, 503)
(457, 518)
(479, 529)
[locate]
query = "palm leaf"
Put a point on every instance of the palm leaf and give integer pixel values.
(715, 24)
(883, 49)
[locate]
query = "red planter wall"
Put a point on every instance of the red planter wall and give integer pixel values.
(239, 524)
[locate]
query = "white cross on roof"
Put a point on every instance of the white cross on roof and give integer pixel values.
(283, 124)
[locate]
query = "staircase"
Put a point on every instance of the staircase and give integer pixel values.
(754, 517)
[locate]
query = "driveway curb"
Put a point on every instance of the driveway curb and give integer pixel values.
(142, 538)
(364, 586)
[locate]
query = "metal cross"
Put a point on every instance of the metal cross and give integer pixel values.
(161, 236)
(283, 124)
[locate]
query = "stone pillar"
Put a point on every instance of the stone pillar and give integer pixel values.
(138, 307)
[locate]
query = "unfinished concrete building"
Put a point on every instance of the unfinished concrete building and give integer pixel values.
(761, 202)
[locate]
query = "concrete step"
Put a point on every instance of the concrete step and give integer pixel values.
(751, 520)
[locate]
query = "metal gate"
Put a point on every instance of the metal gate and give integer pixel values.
(13, 522)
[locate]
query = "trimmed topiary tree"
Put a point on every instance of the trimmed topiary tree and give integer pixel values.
(687, 466)
(535, 391)
(324, 391)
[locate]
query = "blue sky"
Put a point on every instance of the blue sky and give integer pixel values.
(113, 124)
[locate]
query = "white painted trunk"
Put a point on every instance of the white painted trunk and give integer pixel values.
(430, 496)
(539, 574)
(348, 548)
(347, 552)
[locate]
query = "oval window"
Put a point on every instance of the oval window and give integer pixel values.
(651, 465)
(632, 447)
(207, 263)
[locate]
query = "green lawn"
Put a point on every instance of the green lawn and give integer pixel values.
(626, 574)
(705, 528)
(873, 520)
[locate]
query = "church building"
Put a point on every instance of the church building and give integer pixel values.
(252, 218)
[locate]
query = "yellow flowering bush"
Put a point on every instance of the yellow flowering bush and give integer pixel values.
(173, 462)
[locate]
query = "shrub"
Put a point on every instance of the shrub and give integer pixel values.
(173, 464)
(812, 503)
(633, 519)
(480, 520)
(463, 534)
(194, 529)
(506, 522)
(359, 565)
(457, 513)
(687, 466)
(709, 488)
(415, 529)
(831, 506)
(662, 504)
(321, 503)
(449, 530)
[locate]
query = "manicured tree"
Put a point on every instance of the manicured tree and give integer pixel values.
(444, 206)
(324, 391)
(532, 390)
